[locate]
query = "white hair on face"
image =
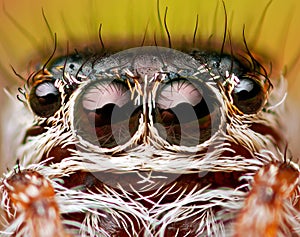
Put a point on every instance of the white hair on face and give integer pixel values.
(92, 159)
(157, 155)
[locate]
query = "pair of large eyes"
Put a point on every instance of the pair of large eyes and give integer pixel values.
(248, 96)
(183, 112)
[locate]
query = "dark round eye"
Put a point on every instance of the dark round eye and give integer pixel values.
(189, 113)
(44, 99)
(105, 115)
(69, 64)
(248, 95)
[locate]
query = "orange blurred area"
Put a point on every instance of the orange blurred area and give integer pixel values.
(270, 29)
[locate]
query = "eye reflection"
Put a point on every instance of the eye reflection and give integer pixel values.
(249, 95)
(104, 93)
(105, 115)
(44, 99)
(189, 113)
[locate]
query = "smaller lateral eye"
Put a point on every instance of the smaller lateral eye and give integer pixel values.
(248, 95)
(44, 99)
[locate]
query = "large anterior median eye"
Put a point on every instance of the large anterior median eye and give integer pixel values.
(188, 111)
(105, 115)
(248, 95)
(44, 99)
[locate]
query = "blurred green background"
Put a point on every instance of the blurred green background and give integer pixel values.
(126, 21)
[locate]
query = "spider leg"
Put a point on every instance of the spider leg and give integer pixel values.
(265, 208)
(30, 205)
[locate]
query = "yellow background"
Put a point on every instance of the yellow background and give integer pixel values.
(78, 22)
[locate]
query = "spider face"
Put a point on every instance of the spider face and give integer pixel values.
(157, 97)
(151, 141)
